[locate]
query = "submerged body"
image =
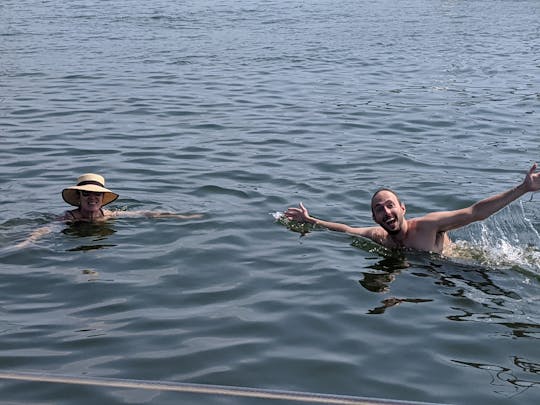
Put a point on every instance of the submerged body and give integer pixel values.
(417, 237)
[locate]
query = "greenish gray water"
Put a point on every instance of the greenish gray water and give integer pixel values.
(240, 109)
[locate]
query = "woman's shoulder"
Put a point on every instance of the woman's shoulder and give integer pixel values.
(70, 215)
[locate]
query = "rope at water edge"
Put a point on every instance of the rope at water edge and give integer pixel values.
(202, 389)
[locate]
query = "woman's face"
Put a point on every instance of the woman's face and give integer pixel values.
(91, 201)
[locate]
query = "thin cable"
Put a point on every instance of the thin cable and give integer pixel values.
(202, 389)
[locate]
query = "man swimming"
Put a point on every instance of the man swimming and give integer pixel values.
(427, 233)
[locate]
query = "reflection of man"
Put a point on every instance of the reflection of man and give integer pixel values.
(390, 302)
(387, 269)
(377, 282)
(427, 233)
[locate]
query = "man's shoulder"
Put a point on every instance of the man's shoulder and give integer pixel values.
(376, 233)
(428, 223)
(367, 232)
(427, 219)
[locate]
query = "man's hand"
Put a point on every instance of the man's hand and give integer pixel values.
(299, 214)
(532, 180)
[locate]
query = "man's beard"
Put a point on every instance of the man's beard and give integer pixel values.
(393, 231)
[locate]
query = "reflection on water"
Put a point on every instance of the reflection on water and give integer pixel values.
(388, 268)
(392, 263)
(523, 329)
(459, 276)
(508, 381)
(98, 232)
(377, 282)
(83, 248)
(391, 302)
(477, 284)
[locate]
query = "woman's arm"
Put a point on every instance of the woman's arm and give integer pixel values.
(34, 236)
(150, 214)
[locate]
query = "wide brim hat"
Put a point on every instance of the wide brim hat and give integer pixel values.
(88, 182)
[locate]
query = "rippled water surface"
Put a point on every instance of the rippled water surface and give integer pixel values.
(240, 109)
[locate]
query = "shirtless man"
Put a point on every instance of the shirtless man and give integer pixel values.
(427, 233)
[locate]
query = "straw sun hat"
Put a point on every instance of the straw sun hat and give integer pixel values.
(88, 182)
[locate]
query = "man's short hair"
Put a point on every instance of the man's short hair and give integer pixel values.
(384, 189)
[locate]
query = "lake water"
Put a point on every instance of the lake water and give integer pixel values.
(238, 110)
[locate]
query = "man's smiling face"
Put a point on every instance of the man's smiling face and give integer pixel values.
(388, 211)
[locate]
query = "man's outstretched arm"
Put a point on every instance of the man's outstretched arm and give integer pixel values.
(301, 214)
(483, 209)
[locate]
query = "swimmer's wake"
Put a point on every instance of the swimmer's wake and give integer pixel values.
(508, 239)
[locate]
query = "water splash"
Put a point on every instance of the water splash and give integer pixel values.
(507, 239)
(301, 227)
(278, 215)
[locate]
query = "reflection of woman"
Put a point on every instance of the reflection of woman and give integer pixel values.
(89, 195)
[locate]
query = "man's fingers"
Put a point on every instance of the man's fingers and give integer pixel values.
(296, 213)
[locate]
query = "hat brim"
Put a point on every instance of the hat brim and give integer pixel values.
(71, 194)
